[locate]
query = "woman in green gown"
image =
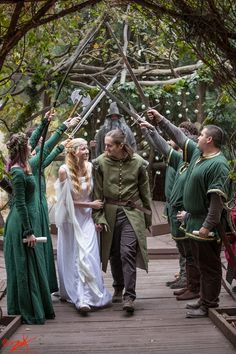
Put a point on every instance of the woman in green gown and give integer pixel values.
(49, 154)
(28, 292)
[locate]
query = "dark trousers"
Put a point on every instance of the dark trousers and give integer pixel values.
(192, 270)
(207, 256)
(123, 256)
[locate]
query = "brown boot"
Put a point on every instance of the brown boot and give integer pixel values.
(180, 291)
(188, 295)
(117, 296)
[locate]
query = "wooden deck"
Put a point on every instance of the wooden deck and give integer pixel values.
(157, 326)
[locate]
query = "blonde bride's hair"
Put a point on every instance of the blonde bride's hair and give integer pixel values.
(75, 169)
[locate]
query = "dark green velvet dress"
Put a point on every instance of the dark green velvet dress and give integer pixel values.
(28, 293)
(48, 156)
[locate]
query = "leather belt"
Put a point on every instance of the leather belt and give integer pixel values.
(128, 203)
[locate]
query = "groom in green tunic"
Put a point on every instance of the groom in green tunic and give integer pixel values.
(121, 180)
(207, 187)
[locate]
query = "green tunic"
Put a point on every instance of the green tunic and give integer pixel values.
(28, 293)
(169, 181)
(48, 157)
(205, 175)
(122, 180)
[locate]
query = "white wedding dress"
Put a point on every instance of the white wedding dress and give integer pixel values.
(78, 260)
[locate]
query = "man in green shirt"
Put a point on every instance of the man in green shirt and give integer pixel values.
(207, 187)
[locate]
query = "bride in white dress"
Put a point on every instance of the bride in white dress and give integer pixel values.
(78, 260)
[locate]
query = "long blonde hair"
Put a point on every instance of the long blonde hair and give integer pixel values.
(74, 166)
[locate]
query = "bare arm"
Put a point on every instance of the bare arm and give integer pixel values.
(95, 204)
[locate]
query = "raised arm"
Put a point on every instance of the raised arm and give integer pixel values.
(152, 136)
(56, 136)
(37, 133)
(173, 132)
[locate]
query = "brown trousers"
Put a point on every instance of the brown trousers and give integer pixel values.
(192, 270)
(123, 256)
(207, 257)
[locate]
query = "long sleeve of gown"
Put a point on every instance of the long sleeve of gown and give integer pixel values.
(53, 154)
(19, 185)
(55, 138)
(37, 133)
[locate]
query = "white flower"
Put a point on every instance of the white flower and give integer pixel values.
(187, 93)
(158, 172)
(98, 121)
(167, 112)
(179, 93)
(143, 106)
(157, 158)
(196, 111)
(186, 109)
(135, 133)
(178, 103)
(144, 154)
(85, 134)
(98, 109)
(180, 115)
(197, 97)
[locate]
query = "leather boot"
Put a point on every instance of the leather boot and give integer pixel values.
(188, 295)
(171, 282)
(180, 292)
(117, 296)
(179, 284)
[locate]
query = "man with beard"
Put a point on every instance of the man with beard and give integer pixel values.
(114, 120)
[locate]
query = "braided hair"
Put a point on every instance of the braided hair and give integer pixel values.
(18, 151)
(75, 169)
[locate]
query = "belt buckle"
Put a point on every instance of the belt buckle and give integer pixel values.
(129, 203)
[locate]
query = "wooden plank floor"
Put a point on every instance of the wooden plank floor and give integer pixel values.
(157, 326)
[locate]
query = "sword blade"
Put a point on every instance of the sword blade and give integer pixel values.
(88, 110)
(136, 117)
